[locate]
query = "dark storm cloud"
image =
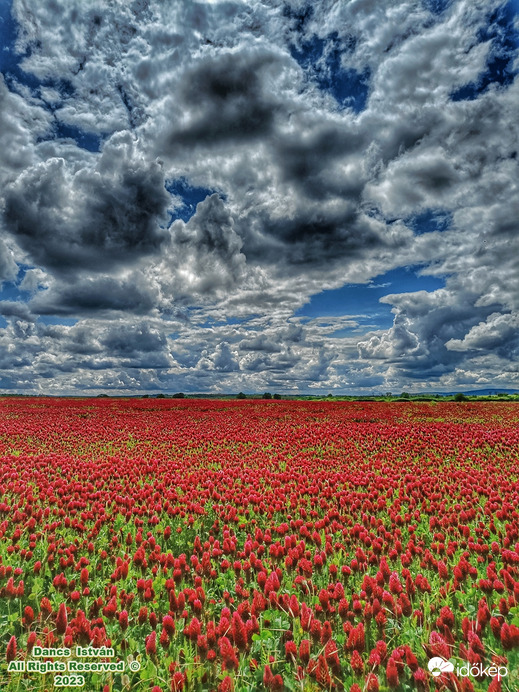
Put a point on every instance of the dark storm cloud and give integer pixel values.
(88, 219)
(16, 309)
(314, 237)
(76, 341)
(227, 99)
(305, 161)
(126, 340)
(97, 295)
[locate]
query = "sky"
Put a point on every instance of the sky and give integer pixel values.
(270, 195)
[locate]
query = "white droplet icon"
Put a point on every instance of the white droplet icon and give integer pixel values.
(439, 665)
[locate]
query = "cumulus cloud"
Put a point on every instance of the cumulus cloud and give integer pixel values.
(206, 250)
(8, 267)
(426, 325)
(90, 218)
(499, 333)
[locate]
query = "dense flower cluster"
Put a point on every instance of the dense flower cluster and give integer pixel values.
(273, 545)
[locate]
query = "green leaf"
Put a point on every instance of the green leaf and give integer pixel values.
(149, 671)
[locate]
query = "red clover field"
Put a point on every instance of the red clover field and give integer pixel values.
(161, 545)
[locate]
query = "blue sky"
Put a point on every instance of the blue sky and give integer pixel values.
(363, 300)
(224, 196)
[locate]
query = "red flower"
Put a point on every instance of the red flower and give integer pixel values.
(110, 608)
(421, 680)
(495, 685)
(277, 684)
(394, 584)
(442, 570)
(411, 659)
(509, 637)
(169, 624)
(438, 646)
(268, 676)
(178, 681)
(151, 644)
(357, 663)
(322, 674)
(10, 653)
(372, 683)
(315, 630)
(227, 684)
(290, 650)
(164, 639)
(28, 616)
(143, 615)
(229, 659)
(238, 631)
(61, 619)
(326, 632)
(304, 651)
(31, 641)
(392, 674)
(123, 620)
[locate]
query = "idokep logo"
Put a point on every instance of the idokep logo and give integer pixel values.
(439, 665)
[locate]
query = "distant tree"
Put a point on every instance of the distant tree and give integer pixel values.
(404, 395)
(276, 396)
(145, 396)
(460, 397)
(267, 395)
(102, 396)
(179, 395)
(388, 394)
(241, 395)
(160, 396)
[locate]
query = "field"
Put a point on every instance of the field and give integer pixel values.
(259, 545)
